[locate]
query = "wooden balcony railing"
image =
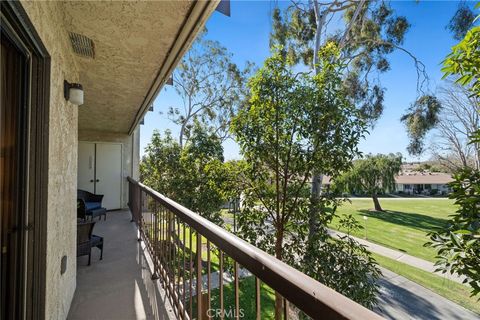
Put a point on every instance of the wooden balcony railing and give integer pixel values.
(198, 261)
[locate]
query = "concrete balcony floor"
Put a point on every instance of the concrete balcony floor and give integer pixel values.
(119, 286)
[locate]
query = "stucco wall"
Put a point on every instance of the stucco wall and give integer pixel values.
(130, 153)
(47, 18)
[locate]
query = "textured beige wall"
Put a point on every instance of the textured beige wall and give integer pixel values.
(47, 17)
(130, 153)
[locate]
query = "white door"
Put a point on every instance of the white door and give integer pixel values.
(108, 174)
(86, 166)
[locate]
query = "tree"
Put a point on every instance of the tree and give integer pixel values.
(458, 120)
(194, 176)
(159, 165)
(421, 117)
(461, 21)
(289, 117)
(458, 245)
(211, 87)
(202, 174)
(373, 175)
(371, 32)
(462, 65)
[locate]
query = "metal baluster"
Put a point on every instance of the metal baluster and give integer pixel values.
(174, 263)
(162, 242)
(209, 269)
(257, 299)
(171, 265)
(237, 292)
(169, 251)
(183, 273)
(199, 276)
(285, 309)
(156, 244)
(178, 243)
(151, 230)
(221, 286)
(191, 273)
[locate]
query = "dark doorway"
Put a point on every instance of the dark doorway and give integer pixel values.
(24, 90)
(12, 172)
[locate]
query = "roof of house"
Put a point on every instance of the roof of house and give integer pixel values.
(424, 178)
(414, 178)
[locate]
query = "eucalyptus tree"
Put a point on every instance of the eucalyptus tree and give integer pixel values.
(288, 118)
(462, 65)
(461, 21)
(211, 87)
(369, 32)
(372, 175)
(421, 117)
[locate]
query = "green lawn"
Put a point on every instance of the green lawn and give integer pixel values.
(404, 224)
(451, 290)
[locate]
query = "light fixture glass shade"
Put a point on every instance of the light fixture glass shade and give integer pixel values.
(76, 96)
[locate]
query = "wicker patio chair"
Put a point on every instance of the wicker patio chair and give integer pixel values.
(90, 205)
(86, 240)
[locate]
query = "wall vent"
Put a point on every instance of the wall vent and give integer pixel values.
(82, 45)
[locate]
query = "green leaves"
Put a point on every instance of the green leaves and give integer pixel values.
(464, 61)
(421, 117)
(458, 246)
(194, 176)
(461, 21)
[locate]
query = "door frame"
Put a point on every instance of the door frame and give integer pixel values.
(34, 176)
(121, 164)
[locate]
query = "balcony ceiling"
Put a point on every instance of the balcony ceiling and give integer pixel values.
(137, 45)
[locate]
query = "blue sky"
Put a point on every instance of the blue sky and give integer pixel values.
(246, 35)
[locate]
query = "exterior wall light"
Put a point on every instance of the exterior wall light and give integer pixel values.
(73, 92)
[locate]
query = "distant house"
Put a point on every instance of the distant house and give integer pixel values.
(411, 182)
(423, 183)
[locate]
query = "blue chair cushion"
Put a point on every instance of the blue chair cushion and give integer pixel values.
(96, 240)
(92, 205)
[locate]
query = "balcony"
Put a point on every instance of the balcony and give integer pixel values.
(199, 271)
(121, 287)
(206, 271)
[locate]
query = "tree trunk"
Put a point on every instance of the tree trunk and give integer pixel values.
(315, 198)
(476, 147)
(317, 176)
(182, 132)
(376, 203)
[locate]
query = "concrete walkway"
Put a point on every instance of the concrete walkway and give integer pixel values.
(402, 257)
(401, 298)
(119, 287)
